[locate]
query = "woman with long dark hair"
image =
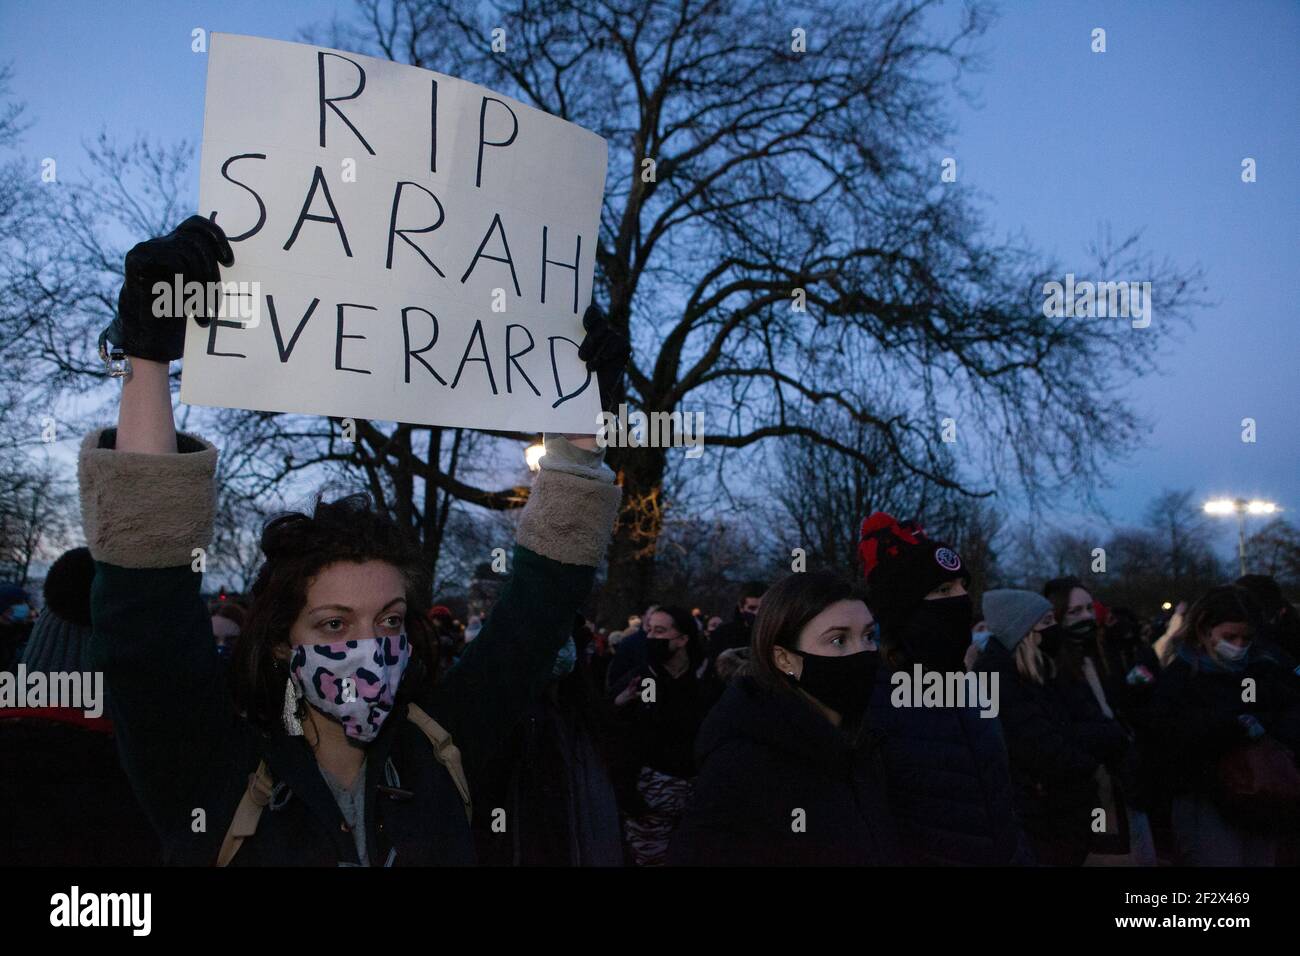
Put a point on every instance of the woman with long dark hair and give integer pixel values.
(331, 744)
(789, 771)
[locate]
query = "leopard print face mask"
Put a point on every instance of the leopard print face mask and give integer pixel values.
(355, 682)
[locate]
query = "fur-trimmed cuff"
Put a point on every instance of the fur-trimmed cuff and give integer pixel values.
(146, 511)
(569, 519)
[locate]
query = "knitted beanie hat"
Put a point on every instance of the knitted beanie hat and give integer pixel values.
(61, 638)
(1010, 614)
(902, 565)
(57, 646)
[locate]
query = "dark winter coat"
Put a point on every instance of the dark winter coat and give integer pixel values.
(728, 636)
(554, 784)
(949, 784)
(1103, 737)
(189, 755)
(1131, 702)
(779, 785)
(630, 656)
(1052, 771)
(1107, 739)
(64, 800)
(660, 734)
(1194, 717)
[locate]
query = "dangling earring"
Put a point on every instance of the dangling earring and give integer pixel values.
(292, 725)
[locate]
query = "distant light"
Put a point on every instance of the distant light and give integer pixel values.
(1166, 606)
(533, 456)
(1220, 506)
(1261, 507)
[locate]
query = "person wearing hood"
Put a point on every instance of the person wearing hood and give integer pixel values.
(1220, 697)
(329, 743)
(64, 798)
(790, 772)
(947, 768)
(1055, 777)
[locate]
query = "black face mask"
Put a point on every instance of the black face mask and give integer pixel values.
(661, 650)
(843, 684)
(1083, 634)
(938, 633)
(746, 617)
(1051, 640)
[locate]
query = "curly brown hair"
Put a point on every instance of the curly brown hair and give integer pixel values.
(297, 548)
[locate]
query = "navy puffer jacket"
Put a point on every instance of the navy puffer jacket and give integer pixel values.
(948, 782)
(779, 785)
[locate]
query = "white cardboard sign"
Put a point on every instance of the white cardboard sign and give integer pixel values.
(422, 247)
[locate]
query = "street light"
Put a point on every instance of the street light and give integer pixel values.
(1240, 507)
(533, 456)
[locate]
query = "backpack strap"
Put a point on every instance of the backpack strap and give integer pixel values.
(244, 824)
(445, 750)
(258, 793)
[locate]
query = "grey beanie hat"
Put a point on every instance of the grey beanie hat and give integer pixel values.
(56, 646)
(1010, 614)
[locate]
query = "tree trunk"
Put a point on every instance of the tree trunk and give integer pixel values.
(431, 533)
(632, 554)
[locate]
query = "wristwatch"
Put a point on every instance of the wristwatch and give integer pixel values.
(115, 360)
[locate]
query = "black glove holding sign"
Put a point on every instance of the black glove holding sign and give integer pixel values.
(605, 350)
(193, 250)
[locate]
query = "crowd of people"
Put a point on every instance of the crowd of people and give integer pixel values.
(334, 715)
(768, 738)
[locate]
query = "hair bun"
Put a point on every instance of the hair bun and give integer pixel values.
(284, 534)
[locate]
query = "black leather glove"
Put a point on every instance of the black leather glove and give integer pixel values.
(193, 250)
(605, 350)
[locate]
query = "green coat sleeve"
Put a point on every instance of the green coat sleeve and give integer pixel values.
(487, 692)
(563, 534)
(151, 635)
(152, 639)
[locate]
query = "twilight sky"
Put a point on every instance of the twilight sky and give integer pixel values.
(1148, 135)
